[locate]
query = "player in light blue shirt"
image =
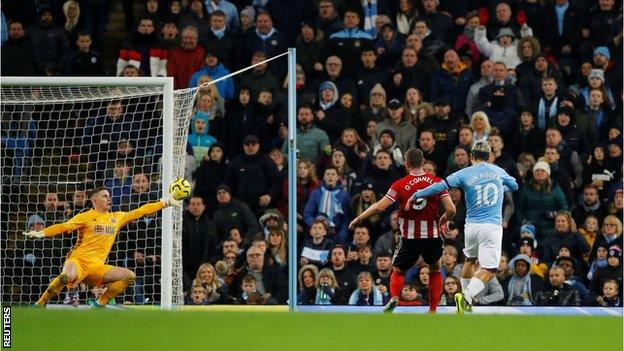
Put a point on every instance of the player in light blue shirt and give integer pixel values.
(484, 186)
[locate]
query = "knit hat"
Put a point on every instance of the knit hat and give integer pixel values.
(223, 186)
(506, 32)
(32, 220)
(614, 251)
(249, 12)
(377, 88)
(566, 110)
(565, 258)
(528, 241)
(390, 132)
(596, 73)
(604, 51)
(543, 165)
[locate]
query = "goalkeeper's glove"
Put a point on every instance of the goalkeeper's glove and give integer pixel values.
(170, 201)
(32, 234)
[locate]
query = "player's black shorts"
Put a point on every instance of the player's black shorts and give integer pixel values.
(407, 252)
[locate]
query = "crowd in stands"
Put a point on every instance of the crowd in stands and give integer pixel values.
(540, 81)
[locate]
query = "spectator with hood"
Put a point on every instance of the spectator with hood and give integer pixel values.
(49, 42)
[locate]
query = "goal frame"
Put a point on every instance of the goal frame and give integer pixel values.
(167, 157)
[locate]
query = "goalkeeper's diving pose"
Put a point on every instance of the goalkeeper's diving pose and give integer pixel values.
(97, 230)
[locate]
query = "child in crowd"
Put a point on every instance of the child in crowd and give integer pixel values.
(198, 296)
(452, 285)
(599, 262)
(449, 261)
(316, 248)
(609, 297)
(410, 296)
(251, 296)
(326, 288)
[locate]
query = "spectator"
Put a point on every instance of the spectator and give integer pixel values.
(49, 42)
(199, 237)
(558, 293)
(547, 103)
(539, 199)
(571, 131)
(502, 48)
(268, 279)
(383, 269)
(327, 20)
(331, 116)
(452, 286)
(197, 297)
(307, 181)
(328, 292)
(389, 45)
(228, 9)
(232, 213)
(569, 160)
(259, 78)
(120, 185)
(277, 249)
(313, 141)
(267, 40)
(397, 122)
(143, 49)
(197, 16)
(441, 23)
(609, 297)
(73, 23)
(452, 82)
(84, 61)
(570, 267)
(185, 60)
(523, 286)
(491, 294)
(366, 293)
(216, 291)
(611, 234)
(131, 71)
(315, 249)
(222, 41)
(613, 270)
(565, 235)
(308, 274)
(345, 277)
(472, 99)
(427, 144)
(253, 176)
(214, 70)
(348, 43)
(383, 172)
(465, 43)
(444, 124)
(480, 125)
(589, 231)
(405, 16)
(332, 202)
(602, 60)
(209, 175)
(588, 205)
(170, 34)
(199, 138)
(310, 47)
(449, 261)
(562, 25)
(499, 81)
(17, 55)
(527, 136)
(460, 160)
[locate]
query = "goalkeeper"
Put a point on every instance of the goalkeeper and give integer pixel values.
(97, 230)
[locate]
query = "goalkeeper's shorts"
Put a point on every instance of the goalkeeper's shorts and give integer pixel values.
(90, 273)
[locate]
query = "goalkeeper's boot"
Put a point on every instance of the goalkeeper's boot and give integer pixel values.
(391, 305)
(461, 304)
(95, 304)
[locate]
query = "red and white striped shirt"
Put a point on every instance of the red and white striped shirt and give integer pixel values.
(421, 221)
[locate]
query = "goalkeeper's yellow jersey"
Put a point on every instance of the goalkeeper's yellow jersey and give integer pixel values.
(97, 231)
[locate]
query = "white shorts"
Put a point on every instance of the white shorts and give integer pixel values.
(483, 241)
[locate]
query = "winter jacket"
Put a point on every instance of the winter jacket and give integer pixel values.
(347, 44)
(339, 221)
(534, 205)
(563, 296)
(225, 87)
(82, 64)
(574, 241)
(252, 176)
(207, 177)
(146, 52)
(495, 52)
(200, 142)
(228, 49)
(235, 214)
(49, 44)
(573, 21)
(17, 58)
(453, 86)
(273, 44)
(312, 142)
(181, 64)
(199, 242)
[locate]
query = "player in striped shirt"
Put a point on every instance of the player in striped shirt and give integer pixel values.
(419, 226)
(484, 186)
(97, 230)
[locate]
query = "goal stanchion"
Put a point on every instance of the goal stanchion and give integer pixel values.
(62, 136)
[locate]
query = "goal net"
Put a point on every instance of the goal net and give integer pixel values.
(62, 137)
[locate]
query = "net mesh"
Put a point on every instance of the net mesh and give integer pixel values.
(60, 141)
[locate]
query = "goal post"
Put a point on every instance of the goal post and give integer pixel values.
(46, 126)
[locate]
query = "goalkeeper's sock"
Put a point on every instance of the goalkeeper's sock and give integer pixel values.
(115, 288)
(475, 287)
(53, 289)
(397, 280)
(435, 290)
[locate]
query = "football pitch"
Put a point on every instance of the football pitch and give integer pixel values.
(131, 329)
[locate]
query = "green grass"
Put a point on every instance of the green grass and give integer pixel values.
(83, 330)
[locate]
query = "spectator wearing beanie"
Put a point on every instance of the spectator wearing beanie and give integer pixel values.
(376, 109)
(613, 270)
(397, 122)
(386, 141)
(596, 80)
(613, 76)
(330, 116)
(538, 200)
